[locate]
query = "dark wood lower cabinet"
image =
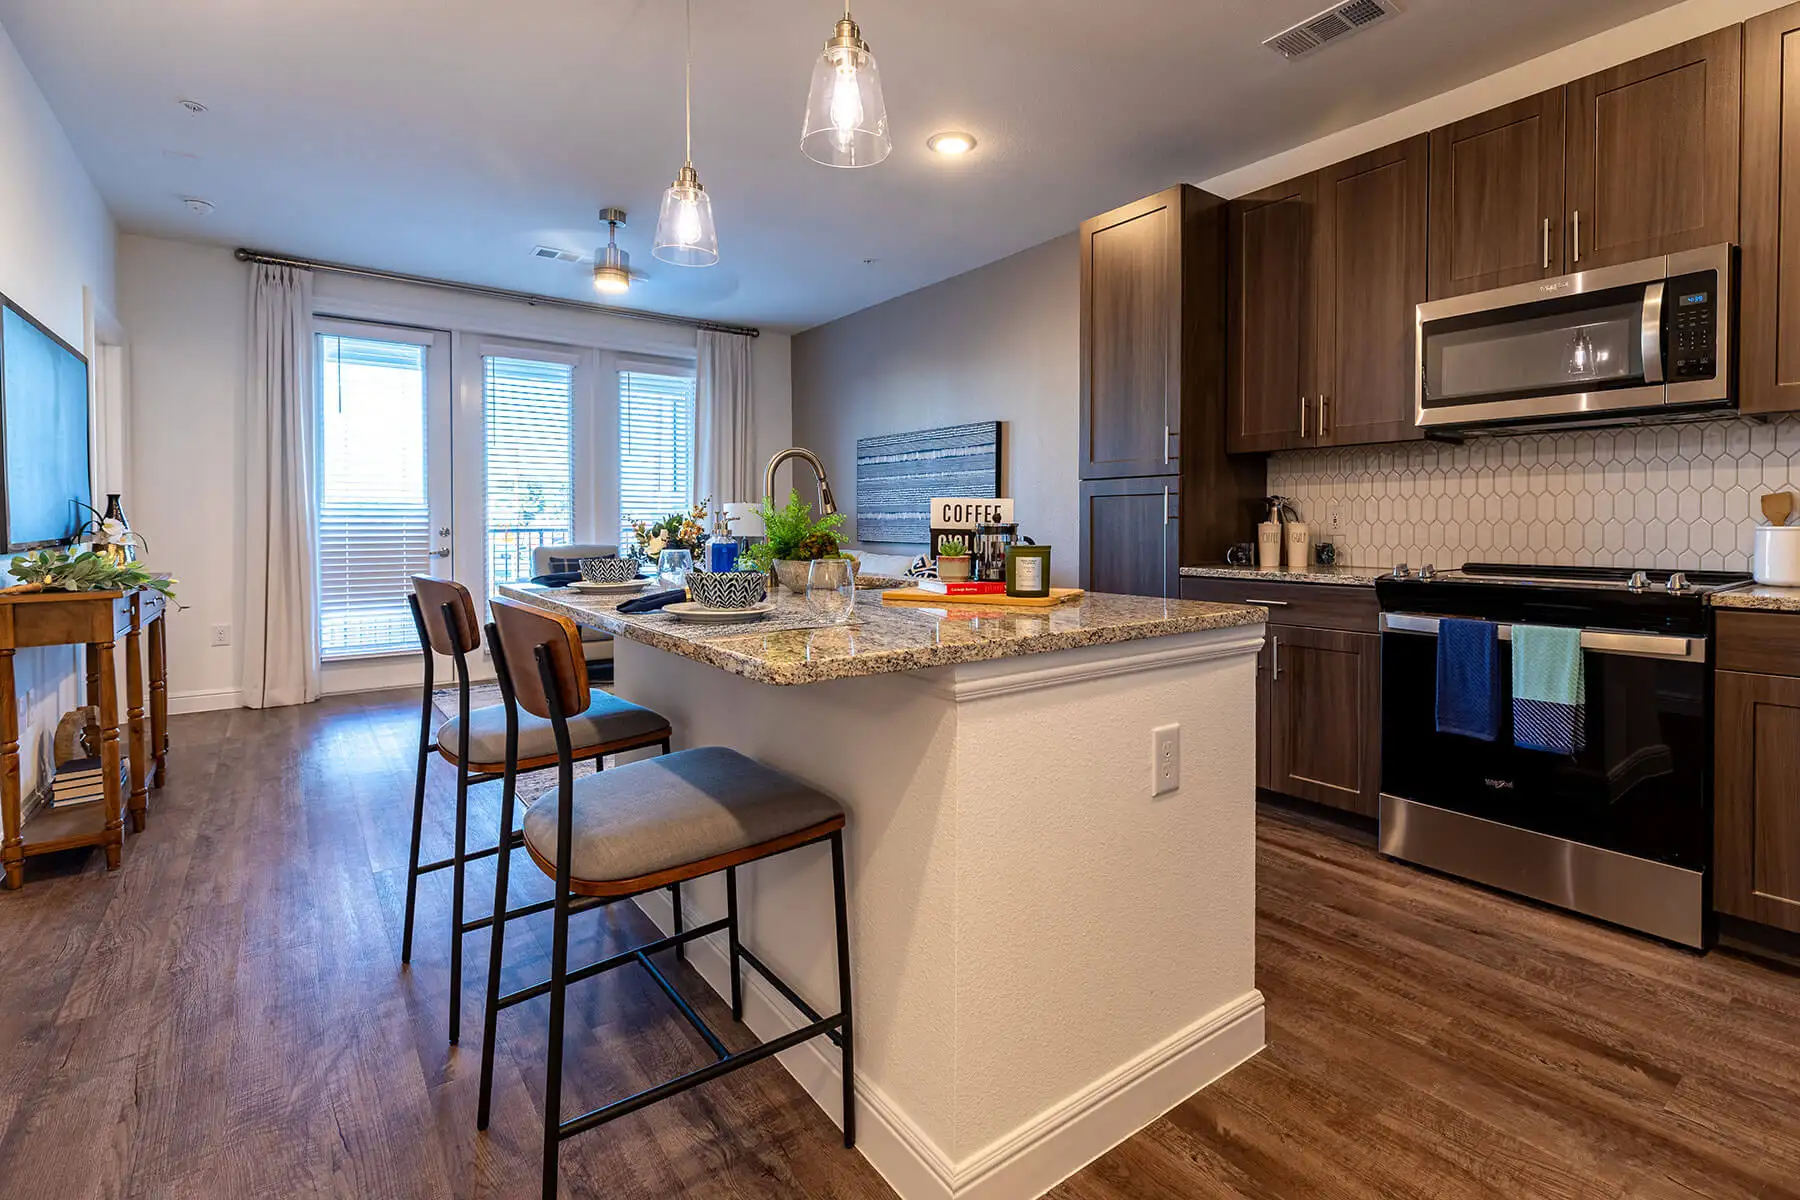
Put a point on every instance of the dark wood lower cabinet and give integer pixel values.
(1131, 536)
(1325, 716)
(1756, 798)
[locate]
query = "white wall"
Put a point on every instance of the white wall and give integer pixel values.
(56, 262)
(185, 305)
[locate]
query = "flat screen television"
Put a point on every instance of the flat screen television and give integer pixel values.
(43, 434)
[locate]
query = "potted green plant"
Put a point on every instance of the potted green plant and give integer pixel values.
(954, 562)
(792, 539)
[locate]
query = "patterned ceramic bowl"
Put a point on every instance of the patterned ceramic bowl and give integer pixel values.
(728, 589)
(609, 570)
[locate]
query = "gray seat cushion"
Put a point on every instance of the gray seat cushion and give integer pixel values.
(671, 811)
(608, 719)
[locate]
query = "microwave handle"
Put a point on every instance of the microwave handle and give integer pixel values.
(1651, 335)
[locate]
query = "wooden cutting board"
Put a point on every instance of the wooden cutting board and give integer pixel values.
(917, 596)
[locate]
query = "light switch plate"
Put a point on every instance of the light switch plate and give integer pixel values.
(1165, 759)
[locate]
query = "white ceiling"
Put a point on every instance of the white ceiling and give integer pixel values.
(448, 137)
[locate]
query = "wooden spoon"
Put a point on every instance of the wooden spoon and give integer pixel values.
(1778, 507)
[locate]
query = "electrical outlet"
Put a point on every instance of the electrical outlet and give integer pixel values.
(1165, 759)
(221, 635)
(1334, 518)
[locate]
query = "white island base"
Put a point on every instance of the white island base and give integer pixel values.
(1047, 957)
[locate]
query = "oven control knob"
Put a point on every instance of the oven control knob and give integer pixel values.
(1678, 582)
(1427, 572)
(1401, 571)
(1638, 582)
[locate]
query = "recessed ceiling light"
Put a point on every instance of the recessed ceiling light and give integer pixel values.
(951, 142)
(196, 204)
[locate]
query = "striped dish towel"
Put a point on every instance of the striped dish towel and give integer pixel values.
(1549, 690)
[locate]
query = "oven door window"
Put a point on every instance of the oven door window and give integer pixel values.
(1591, 342)
(1639, 788)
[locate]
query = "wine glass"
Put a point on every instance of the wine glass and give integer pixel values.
(672, 567)
(831, 589)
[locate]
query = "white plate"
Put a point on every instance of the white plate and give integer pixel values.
(630, 585)
(689, 611)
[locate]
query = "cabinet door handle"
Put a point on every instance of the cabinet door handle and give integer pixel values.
(1546, 243)
(1303, 416)
(1165, 506)
(1269, 603)
(1275, 655)
(1165, 445)
(1324, 414)
(1577, 228)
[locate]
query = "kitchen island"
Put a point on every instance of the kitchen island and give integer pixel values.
(1047, 955)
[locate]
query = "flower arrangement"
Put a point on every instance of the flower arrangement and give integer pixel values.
(57, 570)
(677, 531)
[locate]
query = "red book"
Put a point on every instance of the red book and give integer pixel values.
(971, 588)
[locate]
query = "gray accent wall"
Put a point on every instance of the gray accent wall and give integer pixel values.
(1001, 343)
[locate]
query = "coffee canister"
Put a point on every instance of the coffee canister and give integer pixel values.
(1299, 544)
(1268, 544)
(1776, 561)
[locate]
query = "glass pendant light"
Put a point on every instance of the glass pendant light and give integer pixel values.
(846, 118)
(685, 236)
(612, 266)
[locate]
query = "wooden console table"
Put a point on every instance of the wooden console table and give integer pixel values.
(96, 620)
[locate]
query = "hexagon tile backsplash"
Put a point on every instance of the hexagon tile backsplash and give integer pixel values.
(1674, 496)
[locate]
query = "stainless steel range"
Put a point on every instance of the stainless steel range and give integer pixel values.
(1622, 829)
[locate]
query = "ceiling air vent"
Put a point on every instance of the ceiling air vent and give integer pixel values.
(552, 253)
(1336, 22)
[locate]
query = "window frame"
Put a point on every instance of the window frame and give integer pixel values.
(623, 364)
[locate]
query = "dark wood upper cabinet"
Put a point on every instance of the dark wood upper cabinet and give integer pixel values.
(1769, 337)
(1497, 198)
(1370, 248)
(1131, 536)
(1269, 361)
(1131, 343)
(1325, 716)
(1653, 153)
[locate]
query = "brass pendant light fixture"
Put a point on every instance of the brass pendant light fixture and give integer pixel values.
(846, 121)
(612, 266)
(685, 235)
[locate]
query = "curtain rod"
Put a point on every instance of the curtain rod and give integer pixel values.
(493, 293)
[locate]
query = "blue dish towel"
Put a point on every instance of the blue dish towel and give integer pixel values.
(1468, 678)
(1549, 689)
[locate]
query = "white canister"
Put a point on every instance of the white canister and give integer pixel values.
(1777, 558)
(1268, 544)
(1299, 542)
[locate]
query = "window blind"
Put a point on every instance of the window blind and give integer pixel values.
(530, 423)
(374, 507)
(656, 447)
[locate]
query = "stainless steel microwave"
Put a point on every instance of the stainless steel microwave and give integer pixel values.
(1647, 339)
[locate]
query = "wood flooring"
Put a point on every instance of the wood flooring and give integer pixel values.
(228, 1017)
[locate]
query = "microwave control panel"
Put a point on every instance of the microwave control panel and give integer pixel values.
(1690, 303)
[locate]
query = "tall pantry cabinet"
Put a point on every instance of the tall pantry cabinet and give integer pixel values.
(1157, 488)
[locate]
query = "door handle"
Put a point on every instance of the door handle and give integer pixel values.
(1577, 228)
(444, 553)
(1303, 417)
(1165, 445)
(1546, 243)
(1275, 656)
(1269, 603)
(1324, 414)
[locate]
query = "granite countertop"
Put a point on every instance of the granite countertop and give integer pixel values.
(1343, 576)
(1767, 599)
(891, 637)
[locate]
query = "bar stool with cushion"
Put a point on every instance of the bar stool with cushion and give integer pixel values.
(596, 646)
(475, 744)
(634, 829)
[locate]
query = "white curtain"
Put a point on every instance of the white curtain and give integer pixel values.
(281, 657)
(726, 445)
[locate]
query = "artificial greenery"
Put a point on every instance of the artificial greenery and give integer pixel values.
(56, 570)
(953, 547)
(677, 531)
(791, 532)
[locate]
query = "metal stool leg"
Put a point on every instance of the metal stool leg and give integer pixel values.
(843, 964)
(457, 868)
(675, 893)
(418, 823)
(731, 916)
(496, 950)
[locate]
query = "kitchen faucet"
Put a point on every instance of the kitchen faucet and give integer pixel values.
(827, 504)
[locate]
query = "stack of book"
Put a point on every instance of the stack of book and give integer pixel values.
(968, 588)
(80, 782)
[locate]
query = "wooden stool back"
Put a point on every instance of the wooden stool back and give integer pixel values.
(433, 594)
(522, 630)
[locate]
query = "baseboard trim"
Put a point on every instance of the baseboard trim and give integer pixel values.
(1033, 1158)
(208, 700)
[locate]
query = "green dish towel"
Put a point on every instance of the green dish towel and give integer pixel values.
(1549, 689)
